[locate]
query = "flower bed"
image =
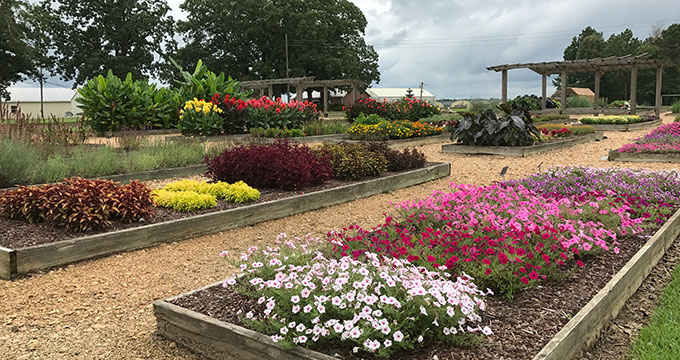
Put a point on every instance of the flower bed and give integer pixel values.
(392, 130)
(662, 140)
(409, 109)
(617, 119)
(575, 224)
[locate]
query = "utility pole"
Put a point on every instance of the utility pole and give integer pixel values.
(42, 109)
(421, 90)
(287, 73)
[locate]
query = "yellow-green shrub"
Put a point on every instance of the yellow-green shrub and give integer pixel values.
(238, 192)
(183, 200)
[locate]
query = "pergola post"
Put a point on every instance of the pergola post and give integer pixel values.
(270, 92)
(261, 92)
(298, 92)
(504, 87)
(544, 91)
(354, 93)
(657, 102)
(325, 100)
(633, 89)
(596, 103)
(563, 96)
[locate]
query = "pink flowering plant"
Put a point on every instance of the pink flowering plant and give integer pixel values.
(662, 140)
(309, 297)
(507, 238)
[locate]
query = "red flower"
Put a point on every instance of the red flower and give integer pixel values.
(524, 280)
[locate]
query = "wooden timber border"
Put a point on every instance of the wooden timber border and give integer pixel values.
(624, 127)
(24, 260)
(615, 155)
(217, 339)
(584, 328)
(411, 142)
(214, 338)
(520, 151)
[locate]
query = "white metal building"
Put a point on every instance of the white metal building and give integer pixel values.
(395, 94)
(56, 101)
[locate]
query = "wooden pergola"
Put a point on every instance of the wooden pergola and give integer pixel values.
(300, 84)
(596, 65)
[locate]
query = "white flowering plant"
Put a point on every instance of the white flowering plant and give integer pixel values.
(379, 306)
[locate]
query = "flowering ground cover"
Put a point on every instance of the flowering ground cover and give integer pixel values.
(663, 140)
(435, 262)
(617, 119)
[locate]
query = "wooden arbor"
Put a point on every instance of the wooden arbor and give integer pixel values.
(598, 66)
(300, 84)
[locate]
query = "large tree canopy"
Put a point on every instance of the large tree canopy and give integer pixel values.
(92, 37)
(15, 50)
(246, 39)
(615, 85)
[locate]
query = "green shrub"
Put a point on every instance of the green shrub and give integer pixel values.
(237, 192)
(109, 104)
(407, 159)
(54, 169)
(525, 102)
(183, 200)
(372, 119)
(90, 162)
(576, 101)
(677, 118)
(16, 160)
(203, 84)
(354, 161)
(617, 119)
(675, 108)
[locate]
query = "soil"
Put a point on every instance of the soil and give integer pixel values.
(101, 309)
(522, 325)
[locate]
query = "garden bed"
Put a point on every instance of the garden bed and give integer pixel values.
(615, 155)
(411, 142)
(624, 127)
(55, 251)
(205, 320)
(520, 151)
(247, 138)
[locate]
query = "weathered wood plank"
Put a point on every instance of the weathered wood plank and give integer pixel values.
(614, 155)
(519, 151)
(67, 251)
(218, 340)
(8, 266)
(584, 328)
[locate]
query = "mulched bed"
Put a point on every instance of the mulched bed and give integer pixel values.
(17, 234)
(522, 326)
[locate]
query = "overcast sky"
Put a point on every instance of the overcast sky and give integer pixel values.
(447, 44)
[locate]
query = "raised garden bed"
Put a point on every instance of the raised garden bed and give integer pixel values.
(214, 337)
(615, 155)
(624, 127)
(412, 142)
(521, 151)
(247, 138)
(31, 258)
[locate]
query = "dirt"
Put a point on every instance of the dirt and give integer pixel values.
(101, 309)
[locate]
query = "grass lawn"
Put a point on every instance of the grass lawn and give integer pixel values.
(661, 338)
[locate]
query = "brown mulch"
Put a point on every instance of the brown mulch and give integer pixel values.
(522, 325)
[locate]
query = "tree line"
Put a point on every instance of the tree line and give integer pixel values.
(615, 85)
(80, 39)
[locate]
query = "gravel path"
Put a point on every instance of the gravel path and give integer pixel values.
(101, 309)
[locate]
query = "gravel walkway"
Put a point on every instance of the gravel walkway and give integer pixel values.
(101, 309)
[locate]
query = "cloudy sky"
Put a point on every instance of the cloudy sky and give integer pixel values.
(447, 44)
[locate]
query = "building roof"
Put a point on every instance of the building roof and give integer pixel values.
(379, 93)
(581, 91)
(32, 94)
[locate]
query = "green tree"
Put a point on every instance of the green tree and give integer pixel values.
(588, 44)
(15, 50)
(91, 37)
(246, 39)
(615, 85)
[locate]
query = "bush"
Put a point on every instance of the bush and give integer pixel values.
(525, 102)
(238, 192)
(16, 160)
(109, 104)
(354, 161)
(78, 204)
(675, 108)
(281, 165)
(200, 117)
(372, 119)
(576, 101)
(409, 109)
(183, 200)
(617, 119)
(407, 159)
(618, 104)
(677, 118)
(550, 117)
(488, 129)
